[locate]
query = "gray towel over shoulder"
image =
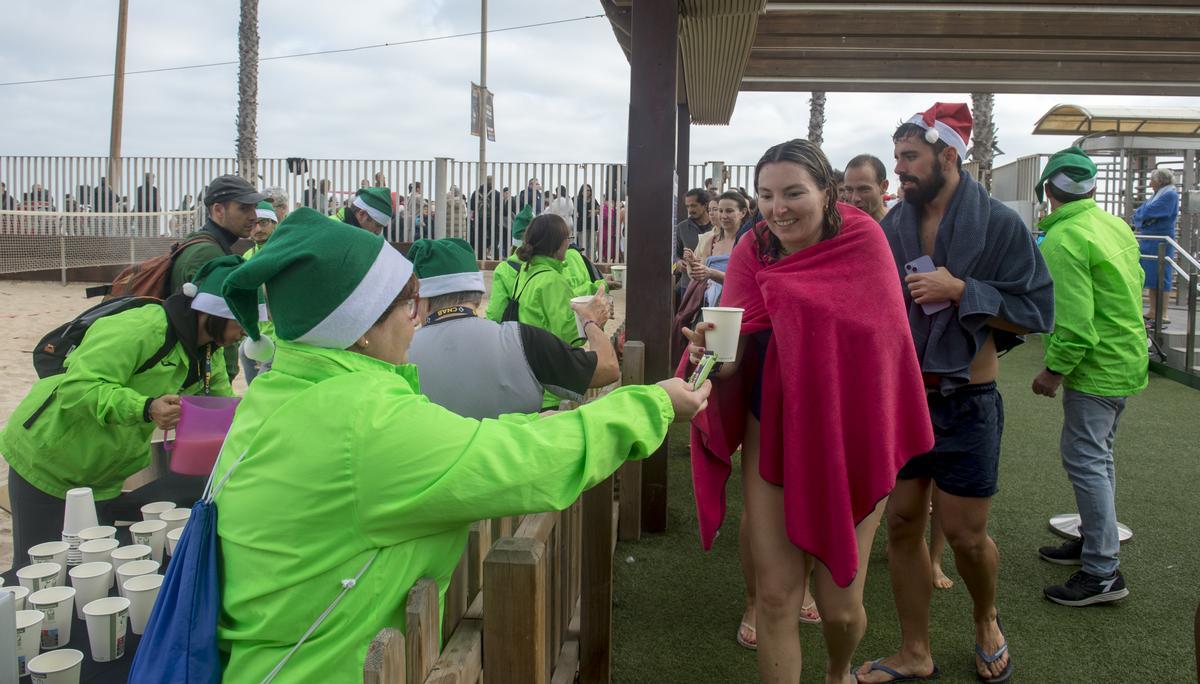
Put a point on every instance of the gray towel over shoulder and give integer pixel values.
(985, 244)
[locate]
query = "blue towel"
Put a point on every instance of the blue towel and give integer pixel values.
(1157, 216)
(712, 292)
(985, 244)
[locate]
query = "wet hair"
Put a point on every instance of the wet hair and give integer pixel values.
(1065, 197)
(409, 291)
(912, 130)
(543, 237)
(810, 158)
(700, 194)
(872, 162)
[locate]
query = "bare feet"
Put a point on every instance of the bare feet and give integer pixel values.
(940, 581)
(900, 663)
(990, 639)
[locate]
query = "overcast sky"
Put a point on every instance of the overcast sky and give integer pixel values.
(561, 91)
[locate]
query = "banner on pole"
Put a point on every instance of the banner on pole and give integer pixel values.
(476, 94)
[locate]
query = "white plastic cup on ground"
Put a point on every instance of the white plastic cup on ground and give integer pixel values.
(52, 552)
(58, 603)
(39, 576)
(142, 592)
(176, 517)
(152, 511)
(152, 533)
(107, 622)
(80, 512)
(97, 532)
(57, 667)
(91, 581)
(579, 320)
(173, 540)
(19, 595)
(722, 340)
(134, 552)
(29, 637)
(134, 569)
(618, 272)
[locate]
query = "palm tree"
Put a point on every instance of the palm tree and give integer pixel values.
(247, 116)
(983, 135)
(816, 118)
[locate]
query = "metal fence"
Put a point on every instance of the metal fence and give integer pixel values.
(158, 198)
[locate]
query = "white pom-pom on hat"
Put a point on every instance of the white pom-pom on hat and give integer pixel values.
(190, 289)
(262, 349)
(931, 135)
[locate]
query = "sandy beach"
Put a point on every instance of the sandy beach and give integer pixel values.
(28, 310)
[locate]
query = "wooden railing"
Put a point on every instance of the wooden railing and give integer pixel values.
(536, 589)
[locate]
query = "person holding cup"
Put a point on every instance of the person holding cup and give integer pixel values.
(337, 467)
(91, 425)
(823, 333)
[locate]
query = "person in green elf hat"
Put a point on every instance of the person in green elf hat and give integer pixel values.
(1098, 351)
(264, 225)
(91, 425)
(480, 369)
(336, 466)
(371, 210)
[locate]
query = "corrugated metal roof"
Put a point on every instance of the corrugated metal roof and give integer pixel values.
(715, 37)
(1068, 119)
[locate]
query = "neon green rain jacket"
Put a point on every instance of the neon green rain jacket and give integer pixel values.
(502, 287)
(1099, 339)
(576, 272)
(345, 458)
(92, 433)
(545, 298)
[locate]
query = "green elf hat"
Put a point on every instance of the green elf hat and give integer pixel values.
(266, 210)
(1070, 170)
(377, 202)
(205, 287)
(520, 222)
(445, 266)
(327, 283)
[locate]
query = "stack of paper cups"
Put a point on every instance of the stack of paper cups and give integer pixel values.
(80, 514)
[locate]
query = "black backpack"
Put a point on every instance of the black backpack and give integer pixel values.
(52, 350)
(512, 310)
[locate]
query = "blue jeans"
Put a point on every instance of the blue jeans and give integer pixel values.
(1089, 428)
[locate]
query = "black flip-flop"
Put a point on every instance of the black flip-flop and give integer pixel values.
(897, 676)
(988, 659)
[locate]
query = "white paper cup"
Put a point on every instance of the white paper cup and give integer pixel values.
(618, 272)
(152, 511)
(57, 667)
(578, 319)
(19, 595)
(58, 603)
(723, 339)
(107, 622)
(97, 532)
(100, 551)
(91, 581)
(39, 576)
(134, 569)
(52, 552)
(173, 539)
(141, 591)
(152, 533)
(29, 637)
(134, 552)
(80, 512)
(176, 517)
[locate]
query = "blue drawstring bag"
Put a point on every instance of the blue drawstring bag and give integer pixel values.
(179, 644)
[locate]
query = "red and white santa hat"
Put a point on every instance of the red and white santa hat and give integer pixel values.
(949, 122)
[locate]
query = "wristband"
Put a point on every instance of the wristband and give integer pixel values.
(146, 409)
(1053, 372)
(585, 325)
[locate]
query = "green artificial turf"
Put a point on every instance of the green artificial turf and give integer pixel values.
(678, 608)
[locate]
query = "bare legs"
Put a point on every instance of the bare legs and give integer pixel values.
(937, 543)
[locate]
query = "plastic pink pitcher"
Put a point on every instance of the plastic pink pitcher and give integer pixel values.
(203, 424)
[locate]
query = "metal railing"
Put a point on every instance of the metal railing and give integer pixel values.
(1189, 293)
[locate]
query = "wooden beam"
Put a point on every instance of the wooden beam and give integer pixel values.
(630, 474)
(933, 85)
(1179, 46)
(514, 598)
(804, 65)
(384, 663)
(595, 624)
(422, 635)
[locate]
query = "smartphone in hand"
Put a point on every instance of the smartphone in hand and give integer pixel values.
(924, 264)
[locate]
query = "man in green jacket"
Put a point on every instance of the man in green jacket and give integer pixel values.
(1098, 350)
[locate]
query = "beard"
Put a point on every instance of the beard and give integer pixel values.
(924, 191)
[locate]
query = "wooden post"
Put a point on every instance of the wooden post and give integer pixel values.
(683, 167)
(514, 606)
(630, 474)
(118, 103)
(385, 658)
(478, 545)
(652, 141)
(595, 612)
(422, 636)
(461, 661)
(457, 598)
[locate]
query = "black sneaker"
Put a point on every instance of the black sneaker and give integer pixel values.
(1069, 553)
(1083, 589)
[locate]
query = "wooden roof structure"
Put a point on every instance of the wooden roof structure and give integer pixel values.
(1104, 47)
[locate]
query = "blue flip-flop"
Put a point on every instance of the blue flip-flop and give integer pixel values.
(990, 658)
(897, 676)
